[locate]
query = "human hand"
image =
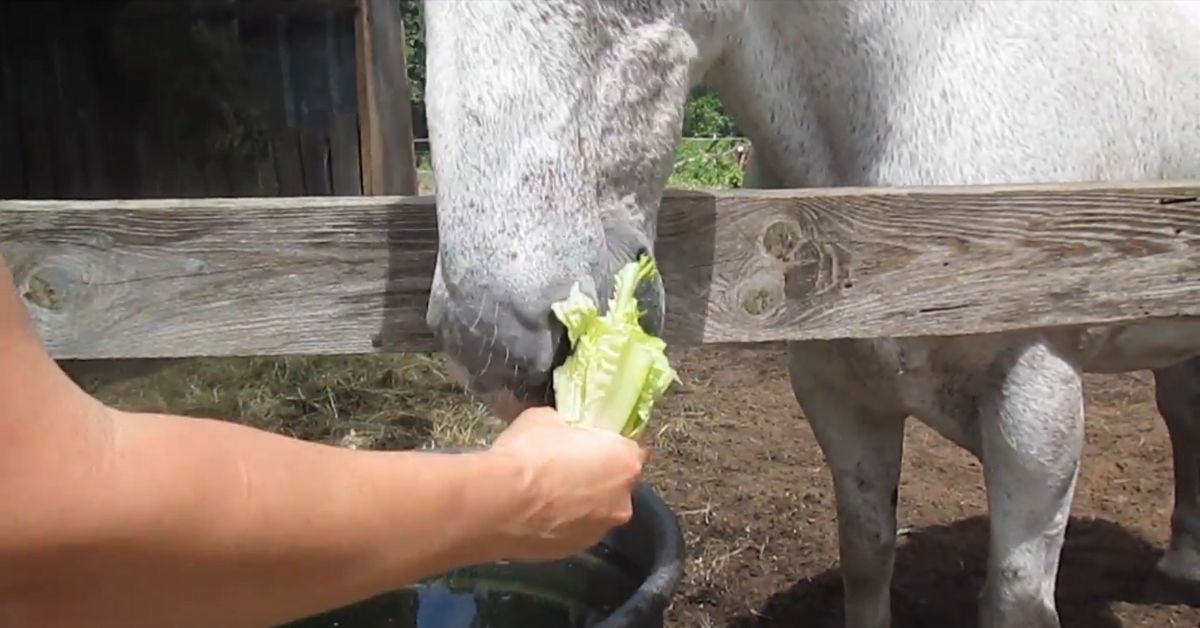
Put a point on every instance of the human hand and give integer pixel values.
(575, 484)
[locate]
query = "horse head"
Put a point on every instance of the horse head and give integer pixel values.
(553, 127)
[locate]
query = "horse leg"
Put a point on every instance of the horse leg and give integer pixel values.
(862, 447)
(1032, 436)
(1177, 391)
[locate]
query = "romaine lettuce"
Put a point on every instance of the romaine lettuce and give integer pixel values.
(616, 370)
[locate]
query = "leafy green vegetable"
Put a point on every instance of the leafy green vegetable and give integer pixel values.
(616, 370)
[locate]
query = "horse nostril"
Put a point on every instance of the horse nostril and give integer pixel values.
(641, 251)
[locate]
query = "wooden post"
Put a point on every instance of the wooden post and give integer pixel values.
(389, 161)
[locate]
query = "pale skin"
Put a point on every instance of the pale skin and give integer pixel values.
(112, 518)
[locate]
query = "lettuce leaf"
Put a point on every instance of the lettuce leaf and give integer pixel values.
(616, 371)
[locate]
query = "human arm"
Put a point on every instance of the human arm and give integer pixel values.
(128, 519)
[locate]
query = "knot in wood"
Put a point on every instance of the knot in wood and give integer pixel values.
(781, 239)
(42, 293)
(102, 241)
(758, 300)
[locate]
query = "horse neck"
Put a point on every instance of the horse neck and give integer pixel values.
(815, 84)
(797, 76)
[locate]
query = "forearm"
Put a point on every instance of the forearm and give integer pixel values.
(213, 523)
(117, 519)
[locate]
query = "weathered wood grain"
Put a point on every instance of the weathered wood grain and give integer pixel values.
(389, 162)
(346, 170)
(314, 159)
(212, 277)
(143, 279)
(796, 264)
(289, 167)
(344, 155)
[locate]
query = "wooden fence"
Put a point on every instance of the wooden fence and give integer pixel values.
(213, 277)
(342, 274)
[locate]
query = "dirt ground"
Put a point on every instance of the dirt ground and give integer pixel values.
(741, 468)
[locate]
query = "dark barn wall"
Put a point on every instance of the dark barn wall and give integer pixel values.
(138, 99)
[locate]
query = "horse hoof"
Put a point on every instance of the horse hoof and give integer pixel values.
(1180, 565)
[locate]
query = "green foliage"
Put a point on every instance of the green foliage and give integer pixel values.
(704, 116)
(414, 32)
(717, 163)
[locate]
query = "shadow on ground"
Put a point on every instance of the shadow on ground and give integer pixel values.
(940, 570)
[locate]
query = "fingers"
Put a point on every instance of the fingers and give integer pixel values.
(646, 454)
(580, 479)
(539, 415)
(547, 416)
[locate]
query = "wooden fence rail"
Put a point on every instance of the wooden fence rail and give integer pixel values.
(224, 277)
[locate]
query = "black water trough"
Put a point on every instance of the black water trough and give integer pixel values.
(625, 581)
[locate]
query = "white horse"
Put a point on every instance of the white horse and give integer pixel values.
(553, 125)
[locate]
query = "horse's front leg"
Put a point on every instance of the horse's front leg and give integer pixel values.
(1031, 428)
(1177, 390)
(862, 447)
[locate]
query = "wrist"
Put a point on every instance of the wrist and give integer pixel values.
(501, 487)
(470, 501)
